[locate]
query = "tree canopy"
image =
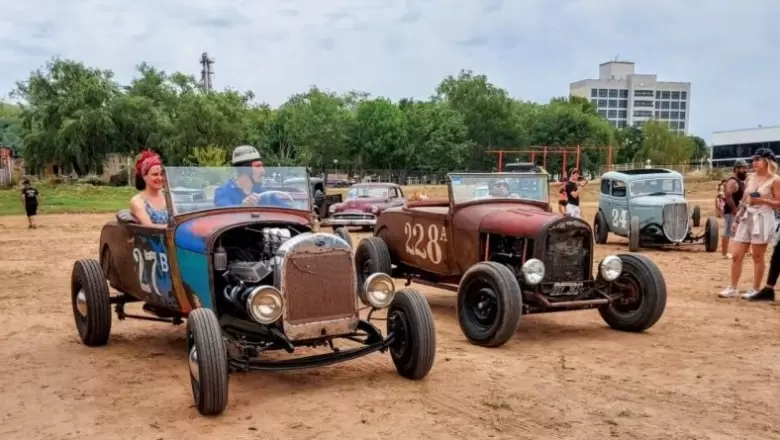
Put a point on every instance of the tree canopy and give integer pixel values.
(75, 115)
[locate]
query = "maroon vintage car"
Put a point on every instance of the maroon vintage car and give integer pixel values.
(497, 244)
(364, 202)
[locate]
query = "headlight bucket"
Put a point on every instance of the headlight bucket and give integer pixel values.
(265, 304)
(611, 267)
(378, 291)
(533, 271)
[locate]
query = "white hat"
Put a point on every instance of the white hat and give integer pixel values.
(245, 153)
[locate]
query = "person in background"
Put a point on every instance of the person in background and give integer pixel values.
(31, 198)
(572, 189)
(149, 206)
(246, 187)
(754, 222)
(562, 197)
(733, 191)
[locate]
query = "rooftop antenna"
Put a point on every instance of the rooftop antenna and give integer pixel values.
(206, 72)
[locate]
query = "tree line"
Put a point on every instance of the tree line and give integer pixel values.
(74, 115)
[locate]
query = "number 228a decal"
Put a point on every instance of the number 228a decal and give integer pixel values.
(417, 234)
(147, 275)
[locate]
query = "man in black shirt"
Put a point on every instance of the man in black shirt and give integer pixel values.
(572, 189)
(734, 189)
(30, 199)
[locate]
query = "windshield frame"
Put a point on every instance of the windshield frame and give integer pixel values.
(542, 177)
(368, 186)
(647, 178)
(171, 205)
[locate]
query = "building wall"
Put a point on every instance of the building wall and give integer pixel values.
(728, 146)
(626, 98)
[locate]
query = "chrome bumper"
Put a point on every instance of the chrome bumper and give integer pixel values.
(330, 221)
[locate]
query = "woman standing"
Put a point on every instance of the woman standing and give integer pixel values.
(148, 206)
(754, 221)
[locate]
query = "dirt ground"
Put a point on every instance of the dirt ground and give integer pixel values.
(708, 370)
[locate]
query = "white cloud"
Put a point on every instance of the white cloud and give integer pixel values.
(398, 48)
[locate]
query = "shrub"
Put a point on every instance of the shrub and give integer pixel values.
(119, 179)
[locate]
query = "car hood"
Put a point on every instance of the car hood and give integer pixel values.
(360, 203)
(657, 200)
(509, 218)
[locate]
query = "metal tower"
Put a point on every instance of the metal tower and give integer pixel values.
(206, 72)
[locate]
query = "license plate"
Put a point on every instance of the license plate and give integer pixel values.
(566, 289)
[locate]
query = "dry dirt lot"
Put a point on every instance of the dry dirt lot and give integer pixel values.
(708, 370)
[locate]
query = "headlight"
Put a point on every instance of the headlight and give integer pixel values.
(378, 291)
(533, 271)
(611, 267)
(265, 304)
(332, 209)
(374, 209)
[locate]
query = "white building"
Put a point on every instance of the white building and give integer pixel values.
(626, 98)
(730, 145)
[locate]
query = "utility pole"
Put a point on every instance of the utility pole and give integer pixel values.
(206, 72)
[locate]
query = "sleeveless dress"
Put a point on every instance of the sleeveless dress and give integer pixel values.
(758, 225)
(158, 216)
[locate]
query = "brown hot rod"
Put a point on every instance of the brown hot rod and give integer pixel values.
(498, 245)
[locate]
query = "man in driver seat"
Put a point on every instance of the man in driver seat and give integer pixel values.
(246, 188)
(499, 189)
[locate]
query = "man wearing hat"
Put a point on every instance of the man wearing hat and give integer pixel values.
(733, 191)
(246, 187)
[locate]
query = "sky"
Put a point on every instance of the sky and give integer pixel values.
(400, 48)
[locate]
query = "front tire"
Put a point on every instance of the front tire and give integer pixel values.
(602, 229)
(343, 233)
(633, 235)
(711, 234)
(207, 362)
(643, 299)
(696, 217)
(490, 304)
(91, 302)
(371, 256)
(410, 319)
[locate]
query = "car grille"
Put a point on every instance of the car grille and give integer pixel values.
(568, 253)
(354, 216)
(675, 217)
(319, 286)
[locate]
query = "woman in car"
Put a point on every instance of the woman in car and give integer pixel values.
(148, 206)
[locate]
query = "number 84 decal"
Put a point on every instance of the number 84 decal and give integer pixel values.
(432, 251)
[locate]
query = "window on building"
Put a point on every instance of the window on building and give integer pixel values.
(612, 114)
(683, 95)
(594, 93)
(643, 114)
(623, 103)
(613, 93)
(658, 104)
(674, 115)
(675, 95)
(674, 125)
(657, 94)
(602, 102)
(623, 93)
(664, 105)
(682, 125)
(657, 114)
(595, 102)
(664, 115)
(683, 104)
(613, 103)
(675, 105)
(622, 114)
(666, 94)
(644, 93)
(682, 115)
(603, 93)
(648, 104)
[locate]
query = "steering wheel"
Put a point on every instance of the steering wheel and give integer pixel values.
(282, 193)
(514, 196)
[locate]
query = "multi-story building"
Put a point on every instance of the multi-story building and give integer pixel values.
(626, 98)
(728, 146)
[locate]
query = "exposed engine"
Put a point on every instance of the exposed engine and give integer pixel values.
(245, 258)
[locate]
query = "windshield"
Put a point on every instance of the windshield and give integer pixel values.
(661, 186)
(527, 186)
(363, 191)
(202, 188)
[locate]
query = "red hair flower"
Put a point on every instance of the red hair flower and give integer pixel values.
(147, 160)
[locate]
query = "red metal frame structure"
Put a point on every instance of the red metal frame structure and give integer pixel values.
(545, 150)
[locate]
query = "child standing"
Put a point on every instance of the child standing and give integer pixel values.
(30, 199)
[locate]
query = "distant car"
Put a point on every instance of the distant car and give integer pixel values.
(509, 256)
(322, 200)
(363, 204)
(249, 280)
(648, 206)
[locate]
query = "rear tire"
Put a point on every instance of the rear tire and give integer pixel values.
(91, 302)
(207, 362)
(696, 217)
(490, 304)
(602, 229)
(410, 319)
(644, 299)
(711, 234)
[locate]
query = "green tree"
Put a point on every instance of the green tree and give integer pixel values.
(662, 146)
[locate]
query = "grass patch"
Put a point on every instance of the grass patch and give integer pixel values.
(69, 199)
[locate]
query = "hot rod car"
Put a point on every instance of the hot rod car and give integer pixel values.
(247, 279)
(648, 206)
(363, 205)
(507, 255)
